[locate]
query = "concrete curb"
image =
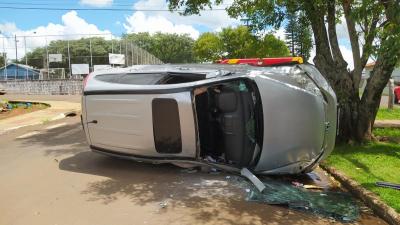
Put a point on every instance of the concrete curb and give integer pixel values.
(380, 208)
(387, 124)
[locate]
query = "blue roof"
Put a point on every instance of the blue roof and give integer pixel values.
(18, 71)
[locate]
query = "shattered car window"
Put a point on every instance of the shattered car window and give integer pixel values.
(337, 205)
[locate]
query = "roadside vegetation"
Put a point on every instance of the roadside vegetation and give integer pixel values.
(238, 42)
(372, 162)
(11, 109)
(388, 114)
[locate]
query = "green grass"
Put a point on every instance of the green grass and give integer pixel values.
(387, 114)
(369, 163)
(386, 132)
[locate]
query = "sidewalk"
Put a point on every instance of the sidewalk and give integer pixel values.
(387, 123)
(57, 110)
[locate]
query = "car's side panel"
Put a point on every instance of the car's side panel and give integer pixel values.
(125, 123)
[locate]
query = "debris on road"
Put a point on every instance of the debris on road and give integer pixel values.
(189, 170)
(388, 185)
(338, 205)
(306, 186)
(163, 204)
(246, 173)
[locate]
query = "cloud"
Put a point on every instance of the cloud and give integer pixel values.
(280, 33)
(209, 19)
(71, 25)
(347, 56)
(142, 22)
(341, 29)
(346, 52)
(96, 3)
(139, 22)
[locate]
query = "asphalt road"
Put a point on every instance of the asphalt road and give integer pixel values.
(49, 176)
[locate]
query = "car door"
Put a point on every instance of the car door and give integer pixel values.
(156, 125)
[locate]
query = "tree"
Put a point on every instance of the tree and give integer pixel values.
(208, 47)
(238, 42)
(272, 47)
(79, 52)
(374, 23)
(298, 35)
(169, 48)
(2, 59)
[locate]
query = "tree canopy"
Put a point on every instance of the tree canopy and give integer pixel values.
(373, 27)
(298, 35)
(79, 52)
(208, 47)
(169, 48)
(2, 60)
(237, 42)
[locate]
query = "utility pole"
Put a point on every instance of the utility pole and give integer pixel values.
(126, 53)
(391, 93)
(5, 58)
(26, 59)
(131, 54)
(69, 60)
(16, 57)
(91, 55)
(112, 44)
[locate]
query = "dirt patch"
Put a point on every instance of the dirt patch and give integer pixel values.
(19, 110)
(389, 139)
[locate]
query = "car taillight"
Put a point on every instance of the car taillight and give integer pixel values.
(85, 80)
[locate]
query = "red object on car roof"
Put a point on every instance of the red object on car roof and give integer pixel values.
(264, 61)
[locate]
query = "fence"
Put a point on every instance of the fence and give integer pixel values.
(54, 57)
(43, 87)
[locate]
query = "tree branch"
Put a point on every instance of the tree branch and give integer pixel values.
(369, 38)
(333, 40)
(355, 46)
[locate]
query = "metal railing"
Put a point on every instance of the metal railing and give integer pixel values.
(46, 57)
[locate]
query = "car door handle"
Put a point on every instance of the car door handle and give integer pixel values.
(93, 121)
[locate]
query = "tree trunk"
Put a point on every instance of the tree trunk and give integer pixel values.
(357, 115)
(347, 96)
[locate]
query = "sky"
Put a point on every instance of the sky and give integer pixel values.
(65, 24)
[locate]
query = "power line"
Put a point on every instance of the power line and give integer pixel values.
(98, 9)
(51, 4)
(60, 35)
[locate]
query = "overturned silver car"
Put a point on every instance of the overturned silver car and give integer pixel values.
(271, 120)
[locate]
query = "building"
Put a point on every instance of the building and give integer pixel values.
(15, 71)
(395, 74)
(367, 72)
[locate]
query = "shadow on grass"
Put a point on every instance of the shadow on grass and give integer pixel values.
(374, 148)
